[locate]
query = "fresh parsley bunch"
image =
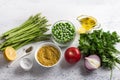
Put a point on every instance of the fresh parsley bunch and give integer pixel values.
(103, 44)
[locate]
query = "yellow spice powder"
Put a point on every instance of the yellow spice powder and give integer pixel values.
(48, 55)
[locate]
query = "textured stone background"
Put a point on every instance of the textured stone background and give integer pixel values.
(14, 12)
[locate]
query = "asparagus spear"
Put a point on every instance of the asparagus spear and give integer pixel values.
(32, 30)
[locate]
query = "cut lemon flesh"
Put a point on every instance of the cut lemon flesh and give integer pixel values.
(10, 53)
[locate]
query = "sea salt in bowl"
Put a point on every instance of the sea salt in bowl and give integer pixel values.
(26, 64)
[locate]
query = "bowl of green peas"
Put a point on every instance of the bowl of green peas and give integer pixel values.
(63, 33)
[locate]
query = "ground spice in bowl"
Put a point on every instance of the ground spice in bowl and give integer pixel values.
(48, 55)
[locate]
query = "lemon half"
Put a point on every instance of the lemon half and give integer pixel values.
(10, 53)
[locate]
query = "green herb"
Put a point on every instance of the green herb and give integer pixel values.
(63, 32)
(103, 44)
(32, 30)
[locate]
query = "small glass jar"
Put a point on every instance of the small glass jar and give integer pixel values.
(88, 23)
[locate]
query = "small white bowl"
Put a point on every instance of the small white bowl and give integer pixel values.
(26, 64)
(45, 44)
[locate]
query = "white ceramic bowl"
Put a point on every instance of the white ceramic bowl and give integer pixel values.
(26, 64)
(45, 44)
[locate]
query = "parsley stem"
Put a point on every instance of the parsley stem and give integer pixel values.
(111, 74)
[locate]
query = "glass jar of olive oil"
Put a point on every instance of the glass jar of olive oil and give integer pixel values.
(87, 23)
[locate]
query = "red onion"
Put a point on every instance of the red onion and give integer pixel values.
(92, 62)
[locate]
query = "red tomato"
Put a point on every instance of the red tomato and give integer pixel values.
(72, 55)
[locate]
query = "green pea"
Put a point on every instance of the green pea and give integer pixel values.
(63, 31)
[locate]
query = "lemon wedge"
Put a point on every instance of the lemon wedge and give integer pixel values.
(10, 53)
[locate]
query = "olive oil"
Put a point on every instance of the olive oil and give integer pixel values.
(87, 23)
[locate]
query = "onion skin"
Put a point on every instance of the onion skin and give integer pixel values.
(88, 64)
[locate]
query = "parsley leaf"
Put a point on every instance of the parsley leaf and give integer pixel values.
(101, 43)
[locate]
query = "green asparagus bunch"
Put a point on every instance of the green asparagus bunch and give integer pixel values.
(32, 30)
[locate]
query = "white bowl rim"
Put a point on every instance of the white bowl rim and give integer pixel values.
(52, 44)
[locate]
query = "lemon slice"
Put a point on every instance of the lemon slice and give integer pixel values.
(10, 53)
